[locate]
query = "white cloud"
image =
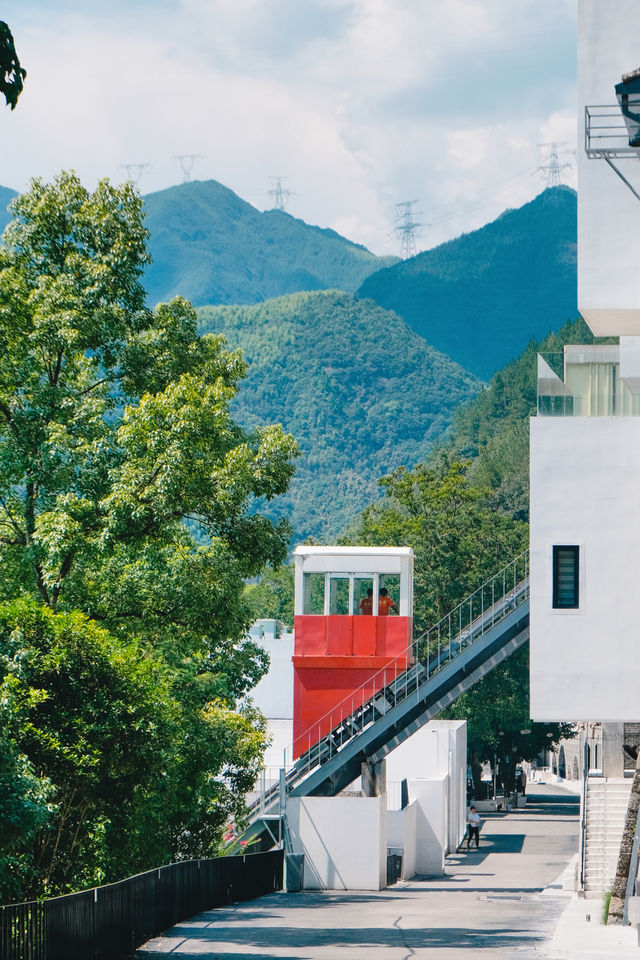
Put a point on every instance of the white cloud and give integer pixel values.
(359, 103)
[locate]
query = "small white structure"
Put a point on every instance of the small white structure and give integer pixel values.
(434, 763)
(343, 839)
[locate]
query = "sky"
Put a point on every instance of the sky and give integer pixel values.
(357, 104)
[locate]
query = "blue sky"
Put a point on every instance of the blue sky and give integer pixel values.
(359, 104)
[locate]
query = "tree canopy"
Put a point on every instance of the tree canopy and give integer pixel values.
(128, 500)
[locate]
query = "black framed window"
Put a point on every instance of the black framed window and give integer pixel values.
(566, 577)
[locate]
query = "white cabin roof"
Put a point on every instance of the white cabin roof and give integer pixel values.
(313, 551)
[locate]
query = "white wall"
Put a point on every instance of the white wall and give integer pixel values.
(273, 695)
(431, 798)
(402, 835)
(437, 749)
(608, 213)
(344, 841)
(584, 490)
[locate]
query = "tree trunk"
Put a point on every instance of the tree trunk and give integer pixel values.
(616, 907)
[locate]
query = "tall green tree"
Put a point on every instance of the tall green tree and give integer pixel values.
(116, 448)
(458, 539)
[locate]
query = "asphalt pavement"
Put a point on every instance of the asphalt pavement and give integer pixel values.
(504, 901)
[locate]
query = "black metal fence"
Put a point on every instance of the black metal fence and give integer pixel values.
(108, 923)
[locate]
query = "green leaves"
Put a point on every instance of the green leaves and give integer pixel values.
(128, 500)
(12, 75)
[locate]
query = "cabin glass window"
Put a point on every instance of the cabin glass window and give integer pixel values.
(363, 596)
(339, 595)
(391, 583)
(313, 602)
(566, 569)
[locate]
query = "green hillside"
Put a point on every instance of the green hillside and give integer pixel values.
(356, 387)
(210, 246)
(481, 297)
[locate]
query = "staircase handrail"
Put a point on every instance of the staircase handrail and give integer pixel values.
(452, 634)
(583, 818)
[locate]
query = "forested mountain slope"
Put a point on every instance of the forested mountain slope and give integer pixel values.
(356, 387)
(481, 297)
(210, 246)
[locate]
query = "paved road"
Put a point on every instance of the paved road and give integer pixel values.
(489, 905)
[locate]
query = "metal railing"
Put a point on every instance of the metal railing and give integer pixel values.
(583, 814)
(110, 922)
(605, 132)
(395, 682)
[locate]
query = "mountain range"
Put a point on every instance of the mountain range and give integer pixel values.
(481, 297)
(210, 246)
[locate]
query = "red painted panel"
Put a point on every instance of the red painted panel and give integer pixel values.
(338, 661)
(323, 694)
(393, 635)
(364, 636)
(339, 635)
(311, 635)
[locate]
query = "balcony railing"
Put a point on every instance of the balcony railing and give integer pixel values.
(589, 381)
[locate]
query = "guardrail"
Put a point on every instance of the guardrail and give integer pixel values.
(110, 922)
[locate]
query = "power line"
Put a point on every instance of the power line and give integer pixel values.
(186, 161)
(407, 228)
(552, 168)
(280, 194)
(135, 171)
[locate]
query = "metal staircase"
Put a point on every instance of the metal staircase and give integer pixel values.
(448, 659)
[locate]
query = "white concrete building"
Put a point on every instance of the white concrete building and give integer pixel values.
(585, 440)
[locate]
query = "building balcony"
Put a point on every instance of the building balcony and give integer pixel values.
(590, 381)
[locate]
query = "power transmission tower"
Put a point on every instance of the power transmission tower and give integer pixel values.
(186, 161)
(280, 194)
(551, 167)
(407, 228)
(135, 171)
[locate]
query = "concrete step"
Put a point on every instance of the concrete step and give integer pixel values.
(607, 804)
(609, 833)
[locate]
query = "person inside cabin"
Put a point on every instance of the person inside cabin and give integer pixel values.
(385, 603)
(366, 604)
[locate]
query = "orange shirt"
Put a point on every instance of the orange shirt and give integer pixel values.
(384, 605)
(366, 605)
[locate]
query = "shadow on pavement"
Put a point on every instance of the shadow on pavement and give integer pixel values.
(391, 937)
